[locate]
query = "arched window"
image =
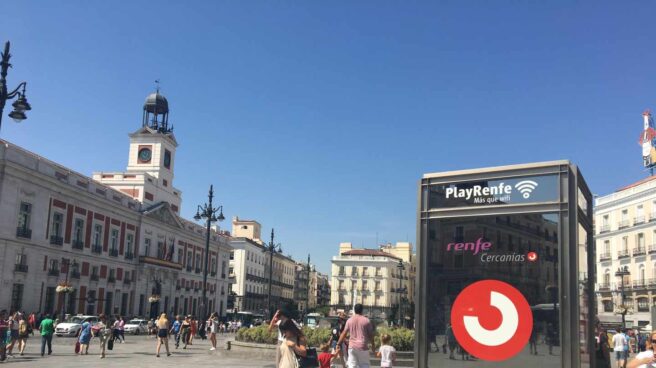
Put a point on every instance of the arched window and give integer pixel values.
(607, 277)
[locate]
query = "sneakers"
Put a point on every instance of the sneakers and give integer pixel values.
(212, 349)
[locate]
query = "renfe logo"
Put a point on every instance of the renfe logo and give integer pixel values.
(477, 191)
(475, 248)
(491, 320)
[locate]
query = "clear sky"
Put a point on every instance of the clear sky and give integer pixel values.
(318, 118)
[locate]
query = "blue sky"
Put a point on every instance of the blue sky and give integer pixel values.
(318, 118)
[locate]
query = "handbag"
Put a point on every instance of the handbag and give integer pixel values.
(310, 360)
(77, 347)
(110, 344)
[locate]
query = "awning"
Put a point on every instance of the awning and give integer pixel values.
(609, 318)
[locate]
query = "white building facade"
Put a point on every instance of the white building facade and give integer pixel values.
(625, 240)
(122, 250)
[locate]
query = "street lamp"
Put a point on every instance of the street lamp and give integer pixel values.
(401, 289)
(621, 272)
(66, 265)
(20, 105)
(271, 248)
(208, 212)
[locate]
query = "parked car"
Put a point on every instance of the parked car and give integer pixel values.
(136, 326)
(73, 326)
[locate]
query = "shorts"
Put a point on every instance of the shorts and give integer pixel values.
(358, 358)
(14, 334)
(620, 355)
(162, 333)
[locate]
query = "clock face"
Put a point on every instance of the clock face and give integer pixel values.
(167, 159)
(145, 155)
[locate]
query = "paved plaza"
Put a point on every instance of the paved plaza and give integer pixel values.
(138, 351)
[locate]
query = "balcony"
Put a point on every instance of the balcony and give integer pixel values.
(605, 256)
(23, 232)
(638, 220)
(77, 244)
(75, 274)
(177, 287)
(96, 249)
(623, 254)
(213, 273)
(160, 262)
(20, 267)
(652, 217)
(127, 281)
(652, 249)
(129, 255)
(639, 251)
(604, 287)
(111, 279)
(56, 240)
(53, 272)
(640, 284)
(187, 288)
(378, 275)
(623, 224)
(113, 252)
(94, 277)
(197, 270)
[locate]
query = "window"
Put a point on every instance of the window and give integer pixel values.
(160, 250)
(94, 271)
(377, 286)
(223, 267)
(607, 278)
(378, 272)
(364, 285)
(78, 232)
(114, 239)
(640, 212)
(625, 243)
(353, 285)
(640, 241)
(643, 305)
(54, 265)
(641, 274)
(112, 275)
(97, 235)
(49, 306)
(24, 215)
(608, 305)
(129, 241)
(180, 256)
(57, 225)
(607, 246)
(16, 297)
(341, 285)
(625, 215)
(147, 247)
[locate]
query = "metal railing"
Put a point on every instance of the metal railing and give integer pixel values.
(623, 253)
(638, 220)
(23, 232)
(113, 252)
(111, 279)
(638, 251)
(605, 256)
(129, 255)
(75, 274)
(623, 224)
(604, 229)
(96, 249)
(53, 272)
(20, 267)
(56, 240)
(94, 277)
(77, 244)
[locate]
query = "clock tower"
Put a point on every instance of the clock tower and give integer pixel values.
(149, 175)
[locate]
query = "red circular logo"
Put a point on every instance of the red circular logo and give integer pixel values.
(532, 256)
(491, 320)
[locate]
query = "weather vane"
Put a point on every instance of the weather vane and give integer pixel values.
(157, 85)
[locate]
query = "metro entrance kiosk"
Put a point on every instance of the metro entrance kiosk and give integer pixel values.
(505, 268)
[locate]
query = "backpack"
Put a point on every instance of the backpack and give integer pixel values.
(22, 328)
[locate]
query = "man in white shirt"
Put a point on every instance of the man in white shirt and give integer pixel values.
(619, 341)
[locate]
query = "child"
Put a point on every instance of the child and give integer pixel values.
(325, 358)
(386, 352)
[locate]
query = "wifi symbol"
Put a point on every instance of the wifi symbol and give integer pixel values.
(526, 187)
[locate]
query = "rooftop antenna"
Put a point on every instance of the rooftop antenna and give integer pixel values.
(157, 85)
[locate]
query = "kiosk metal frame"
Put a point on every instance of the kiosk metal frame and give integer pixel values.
(574, 209)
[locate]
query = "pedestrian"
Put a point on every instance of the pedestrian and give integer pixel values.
(533, 340)
(47, 328)
(103, 331)
(279, 318)
(32, 322)
(646, 358)
(326, 357)
(175, 330)
(4, 327)
(602, 350)
(386, 352)
(293, 346)
(186, 331)
(13, 333)
(194, 330)
(23, 333)
(152, 329)
(360, 333)
(628, 349)
(336, 332)
(121, 328)
(85, 338)
(619, 341)
(115, 333)
(451, 341)
(213, 324)
(163, 333)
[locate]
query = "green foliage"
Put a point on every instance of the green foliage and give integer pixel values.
(259, 334)
(403, 339)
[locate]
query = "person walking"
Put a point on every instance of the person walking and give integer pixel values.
(386, 352)
(31, 320)
(194, 330)
(336, 332)
(360, 333)
(602, 353)
(13, 333)
(4, 327)
(619, 341)
(294, 345)
(163, 334)
(23, 333)
(213, 324)
(186, 331)
(47, 327)
(120, 327)
(103, 332)
(175, 330)
(85, 338)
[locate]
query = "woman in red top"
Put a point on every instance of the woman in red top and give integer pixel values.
(194, 328)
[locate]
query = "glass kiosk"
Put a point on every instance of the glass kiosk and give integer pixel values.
(505, 268)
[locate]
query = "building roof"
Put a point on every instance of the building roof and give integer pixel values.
(368, 252)
(646, 180)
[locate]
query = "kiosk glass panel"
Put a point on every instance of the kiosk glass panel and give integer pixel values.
(519, 254)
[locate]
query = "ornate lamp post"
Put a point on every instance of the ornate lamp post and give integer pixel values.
(621, 272)
(208, 212)
(20, 105)
(65, 288)
(272, 248)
